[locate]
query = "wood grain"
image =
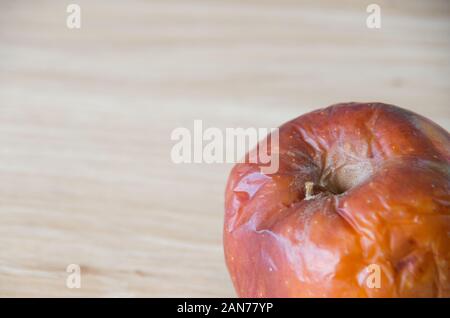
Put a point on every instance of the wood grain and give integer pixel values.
(86, 117)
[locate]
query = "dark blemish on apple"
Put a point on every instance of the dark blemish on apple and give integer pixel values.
(407, 262)
(411, 242)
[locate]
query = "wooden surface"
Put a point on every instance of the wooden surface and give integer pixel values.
(86, 117)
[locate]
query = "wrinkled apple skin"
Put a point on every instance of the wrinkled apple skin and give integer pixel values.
(382, 196)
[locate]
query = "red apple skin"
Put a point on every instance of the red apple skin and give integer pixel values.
(382, 196)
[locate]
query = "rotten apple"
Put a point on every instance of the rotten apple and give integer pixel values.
(361, 190)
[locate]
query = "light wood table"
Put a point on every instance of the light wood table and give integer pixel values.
(86, 117)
